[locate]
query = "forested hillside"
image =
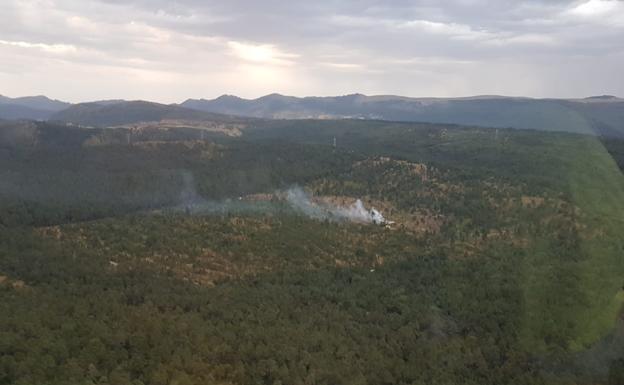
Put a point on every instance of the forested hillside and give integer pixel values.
(575, 115)
(150, 256)
(122, 113)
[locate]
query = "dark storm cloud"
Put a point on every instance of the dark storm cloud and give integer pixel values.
(169, 50)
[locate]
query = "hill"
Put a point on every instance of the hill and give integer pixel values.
(487, 111)
(132, 112)
(15, 112)
(29, 107)
(601, 115)
(142, 260)
(604, 113)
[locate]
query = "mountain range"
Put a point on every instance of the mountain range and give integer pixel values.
(114, 113)
(30, 107)
(597, 114)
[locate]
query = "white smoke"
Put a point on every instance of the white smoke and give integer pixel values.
(193, 203)
(189, 197)
(356, 212)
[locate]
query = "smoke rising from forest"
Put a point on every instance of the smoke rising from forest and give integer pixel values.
(302, 202)
(295, 198)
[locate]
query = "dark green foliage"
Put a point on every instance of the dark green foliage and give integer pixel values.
(403, 323)
(616, 372)
(497, 285)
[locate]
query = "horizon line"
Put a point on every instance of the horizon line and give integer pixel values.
(473, 96)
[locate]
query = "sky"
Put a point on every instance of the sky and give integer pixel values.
(171, 50)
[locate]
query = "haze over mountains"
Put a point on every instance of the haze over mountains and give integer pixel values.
(489, 111)
(598, 114)
(30, 107)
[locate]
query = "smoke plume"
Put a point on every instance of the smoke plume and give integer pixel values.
(301, 201)
(189, 197)
(294, 198)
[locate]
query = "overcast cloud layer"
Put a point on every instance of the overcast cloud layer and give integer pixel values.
(168, 51)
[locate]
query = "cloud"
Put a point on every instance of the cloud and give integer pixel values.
(533, 39)
(168, 51)
(343, 66)
(458, 31)
(261, 53)
(595, 8)
(604, 12)
(52, 48)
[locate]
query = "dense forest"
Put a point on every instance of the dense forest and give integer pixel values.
(500, 263)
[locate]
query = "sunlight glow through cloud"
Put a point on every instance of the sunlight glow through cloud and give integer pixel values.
(52, 48)
(596, 7)
(264, 53)
(207, 48)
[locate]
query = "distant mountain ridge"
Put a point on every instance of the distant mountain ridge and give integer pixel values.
(39, 102)
(16, 112)
(602, 114)
(30, 107)
(118, 113)
(486, 110)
